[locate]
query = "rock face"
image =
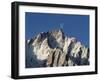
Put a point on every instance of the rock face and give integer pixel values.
(53, 49)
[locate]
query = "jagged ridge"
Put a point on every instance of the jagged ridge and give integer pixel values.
(53, 48)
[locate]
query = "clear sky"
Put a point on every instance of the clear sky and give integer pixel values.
(73, 25)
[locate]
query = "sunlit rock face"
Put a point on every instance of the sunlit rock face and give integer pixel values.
(54, 49)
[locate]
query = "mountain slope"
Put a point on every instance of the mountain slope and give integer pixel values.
(53, 48)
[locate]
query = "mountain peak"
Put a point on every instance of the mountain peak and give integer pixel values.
(56, 49)
(57, 31)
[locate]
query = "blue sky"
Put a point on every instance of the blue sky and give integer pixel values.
(73, 25)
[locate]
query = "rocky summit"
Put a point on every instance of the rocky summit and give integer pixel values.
(54, 49)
